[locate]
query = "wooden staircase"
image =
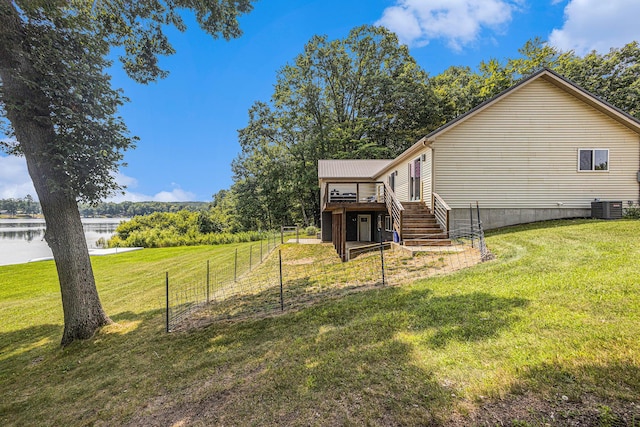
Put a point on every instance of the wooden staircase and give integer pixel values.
(420, 227)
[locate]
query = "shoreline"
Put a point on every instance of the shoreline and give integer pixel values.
(92, 252)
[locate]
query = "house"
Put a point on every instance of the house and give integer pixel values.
(543, 149)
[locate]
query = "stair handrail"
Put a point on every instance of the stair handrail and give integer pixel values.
(325, 199)
(441, 210)
(395, 209)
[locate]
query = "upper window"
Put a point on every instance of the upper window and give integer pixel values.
(392, 180)
(593, 160)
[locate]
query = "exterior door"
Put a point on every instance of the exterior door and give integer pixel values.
(414, 180)
(364, 228)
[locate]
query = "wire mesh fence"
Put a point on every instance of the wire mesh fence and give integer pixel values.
(299, 275)
(190, 290)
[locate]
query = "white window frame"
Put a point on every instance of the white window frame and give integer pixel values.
(393, 177)
(593, 160)
(388, 223)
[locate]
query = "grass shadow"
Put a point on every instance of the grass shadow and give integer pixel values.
(341, 362)
(26, 345)
(465, 317)
(554, 394)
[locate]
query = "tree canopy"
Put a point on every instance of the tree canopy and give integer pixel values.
(365, 97)
(62, 111)
(360, 97)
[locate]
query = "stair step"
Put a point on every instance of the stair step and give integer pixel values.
(421, 222)
(423, 233)
(427, 242)
(420, 230)
(418, 218)
(424, 236)
(420, 214)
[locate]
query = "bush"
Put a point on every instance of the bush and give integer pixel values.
(164, 229)
(632, 211)
(311, 230)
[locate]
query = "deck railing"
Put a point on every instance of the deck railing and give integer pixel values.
(395, 209)
(353, 192)
(441, 210)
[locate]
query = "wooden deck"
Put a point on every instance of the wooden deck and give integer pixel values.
(355, 206)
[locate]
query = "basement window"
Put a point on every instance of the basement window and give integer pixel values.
(593, 160)
(388, 224)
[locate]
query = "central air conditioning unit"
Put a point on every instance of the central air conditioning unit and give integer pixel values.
(606, 209)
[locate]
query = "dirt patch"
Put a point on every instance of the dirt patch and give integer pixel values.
(313, 276)
(558, 410)
(302, 261)
(208, 403)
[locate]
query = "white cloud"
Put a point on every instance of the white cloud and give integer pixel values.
(15, 182)
(458, 22)
(125, 180)
(597, 25)
(177, 194)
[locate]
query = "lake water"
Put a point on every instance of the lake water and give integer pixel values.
(23, 239)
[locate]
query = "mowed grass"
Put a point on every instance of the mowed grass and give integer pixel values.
(546, 333)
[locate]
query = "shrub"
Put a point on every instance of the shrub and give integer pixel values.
(632, 211)
(183, 228)
(312, 230)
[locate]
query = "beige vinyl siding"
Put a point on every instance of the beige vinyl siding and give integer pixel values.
(402, 182)
(522, 152)
(426, 176)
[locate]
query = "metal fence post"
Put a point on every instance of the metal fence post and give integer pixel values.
(481, 243)
(297, 234)
(382, 259)
(281, 290)
(166, 280)
(208, 280)
(235, 266)
(471, 222)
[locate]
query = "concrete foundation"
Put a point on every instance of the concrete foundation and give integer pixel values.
(496, 218)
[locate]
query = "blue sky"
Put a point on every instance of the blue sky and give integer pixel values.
(188, 122)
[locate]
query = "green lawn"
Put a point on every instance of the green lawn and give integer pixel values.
(546, 333)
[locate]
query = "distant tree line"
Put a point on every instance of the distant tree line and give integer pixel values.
(365, 97)
(131, 209)
(24, 206)
(28, 206)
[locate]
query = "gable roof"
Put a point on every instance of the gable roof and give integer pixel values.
(559, 81)
(547, 75)
(351, 169)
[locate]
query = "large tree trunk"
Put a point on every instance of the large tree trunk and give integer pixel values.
(83, 313)
(27, 109)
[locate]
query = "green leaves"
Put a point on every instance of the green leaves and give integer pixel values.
(55, 52)
(363, 96)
